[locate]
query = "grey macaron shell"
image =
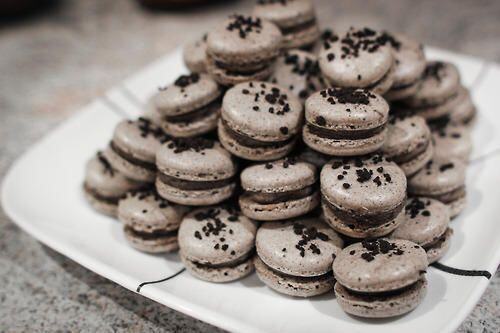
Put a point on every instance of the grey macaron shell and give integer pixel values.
(238, 113)
(437, 179)
(195, 55)
(149, 213)
(295, 76)
(192, 128)
(176, 100)
(421, 228)
(452, 142)
(383, 307)
(292, 285)
(346, 116)
(385, 272)
(228, 47)
(286, 14)
(273, 237)
(465, 110)
(218, 274)
(107, 184)
(267, 153)
(209, 164)
(231, 78)
(405, 136)
(433, 91)
(361, 71)
(438, 250)
(359, 231)
(409, 66)
(367, 196)
(238, 235)
(128, 137)
(259, 178)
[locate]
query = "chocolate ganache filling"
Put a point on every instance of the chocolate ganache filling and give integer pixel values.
(151, 235)
(247, 141)
(106, 199)
(358, 134)
(133, 160)
(192, 185)
(361, 220)
(202, 112)
(272, 198)
(298, 27)
(230, 264)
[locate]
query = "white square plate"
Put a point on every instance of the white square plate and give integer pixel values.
(42, 194)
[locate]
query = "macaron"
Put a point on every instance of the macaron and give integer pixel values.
(195, 172)
(217, 244)
(298, 71)
(194, 55)
(260, 121)
(442, 179)
(380, 278)
(150, 223)
(104, 186)
(133, 147)
(409, 66)
(190, 106)
(426, 224)
(295, 18)
(279, 190)
(464, 112)
(408, 142)
(362, 58)
(242, 48)
(438, 92)
(452, 141)
(345, 121)
(364, 196)
(295, 257)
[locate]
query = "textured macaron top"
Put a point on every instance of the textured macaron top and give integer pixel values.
(100, 176)
(440, 81)
(366, 185)
(409, 59)
(346, 109)
(285, 13)
(278, 176)
(380, 265)
(195, 159)
(360, 58)
(146, 211)
(452, 140)
(298, 71)
(139, 138)
(405, 135)
(186, 94)
(302, 247)
(195, 52)
(262, 111)
(243, 39)
(216, 235)
(439, 176)
(424, 222)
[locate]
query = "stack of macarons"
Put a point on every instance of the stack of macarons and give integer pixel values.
(283, 145)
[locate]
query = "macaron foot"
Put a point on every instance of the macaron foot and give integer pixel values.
(381, 305)
(439, 248)
(219, 273)
(280, 210)
(293, 285)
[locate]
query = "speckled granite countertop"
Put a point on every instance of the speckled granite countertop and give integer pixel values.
(60, 60)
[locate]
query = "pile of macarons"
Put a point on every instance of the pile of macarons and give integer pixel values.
(326, 162)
